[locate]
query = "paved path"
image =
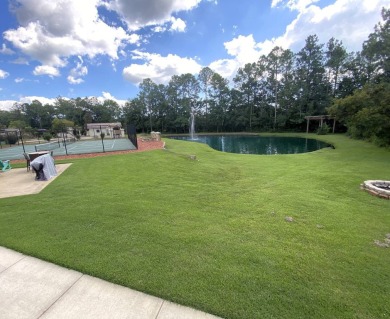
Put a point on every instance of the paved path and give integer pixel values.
(32, 288)
(20, 182)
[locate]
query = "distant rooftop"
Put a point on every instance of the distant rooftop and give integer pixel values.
(103, 125)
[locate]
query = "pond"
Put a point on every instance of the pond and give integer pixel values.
(263, 145)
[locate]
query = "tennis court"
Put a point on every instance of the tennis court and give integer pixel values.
(70, 148)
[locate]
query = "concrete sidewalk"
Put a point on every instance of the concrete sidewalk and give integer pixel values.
(32, 288)
(20, 182)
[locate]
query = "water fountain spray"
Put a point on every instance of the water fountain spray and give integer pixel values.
(192, 125)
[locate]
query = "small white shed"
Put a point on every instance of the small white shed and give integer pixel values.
(110, 130)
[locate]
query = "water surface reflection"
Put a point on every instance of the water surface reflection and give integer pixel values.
(265, 145)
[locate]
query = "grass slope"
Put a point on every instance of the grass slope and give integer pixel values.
(212, 233)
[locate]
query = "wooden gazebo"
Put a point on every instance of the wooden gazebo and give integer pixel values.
(320, 118)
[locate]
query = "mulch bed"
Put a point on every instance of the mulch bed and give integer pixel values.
(143, 146)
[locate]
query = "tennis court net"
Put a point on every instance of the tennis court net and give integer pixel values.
(69, 140)
(47, 146)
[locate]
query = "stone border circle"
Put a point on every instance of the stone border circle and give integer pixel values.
(377, 188)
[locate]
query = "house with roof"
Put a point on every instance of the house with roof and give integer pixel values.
(110, 130)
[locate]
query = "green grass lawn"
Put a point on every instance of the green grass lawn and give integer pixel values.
(212, 233)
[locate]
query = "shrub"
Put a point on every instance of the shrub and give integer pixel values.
(323, 130)
(11, 139)
(47, 136)
(366, 113)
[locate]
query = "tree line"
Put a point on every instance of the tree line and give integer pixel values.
(273, 94)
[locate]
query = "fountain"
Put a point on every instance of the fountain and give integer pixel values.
(192, 125)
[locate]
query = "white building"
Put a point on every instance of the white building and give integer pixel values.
(110, 130)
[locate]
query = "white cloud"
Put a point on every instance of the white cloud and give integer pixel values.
(138, 14)
(158, 68)
(73, 80)
(178, 25)
(108, 96)
(42, 99)
(350, 21)
(342, 20)
(46, 70)
(19, 80)
(243, 48)
(134, 39)
(159, 29)
(5, 50)
(3, 74)
(76, 74)
(51, 31)
(20, 61)
(293, 4)
(225, 67)
(7, 105)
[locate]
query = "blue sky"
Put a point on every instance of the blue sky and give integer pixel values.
(104, 48)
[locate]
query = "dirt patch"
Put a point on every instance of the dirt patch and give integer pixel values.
(385, 243)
